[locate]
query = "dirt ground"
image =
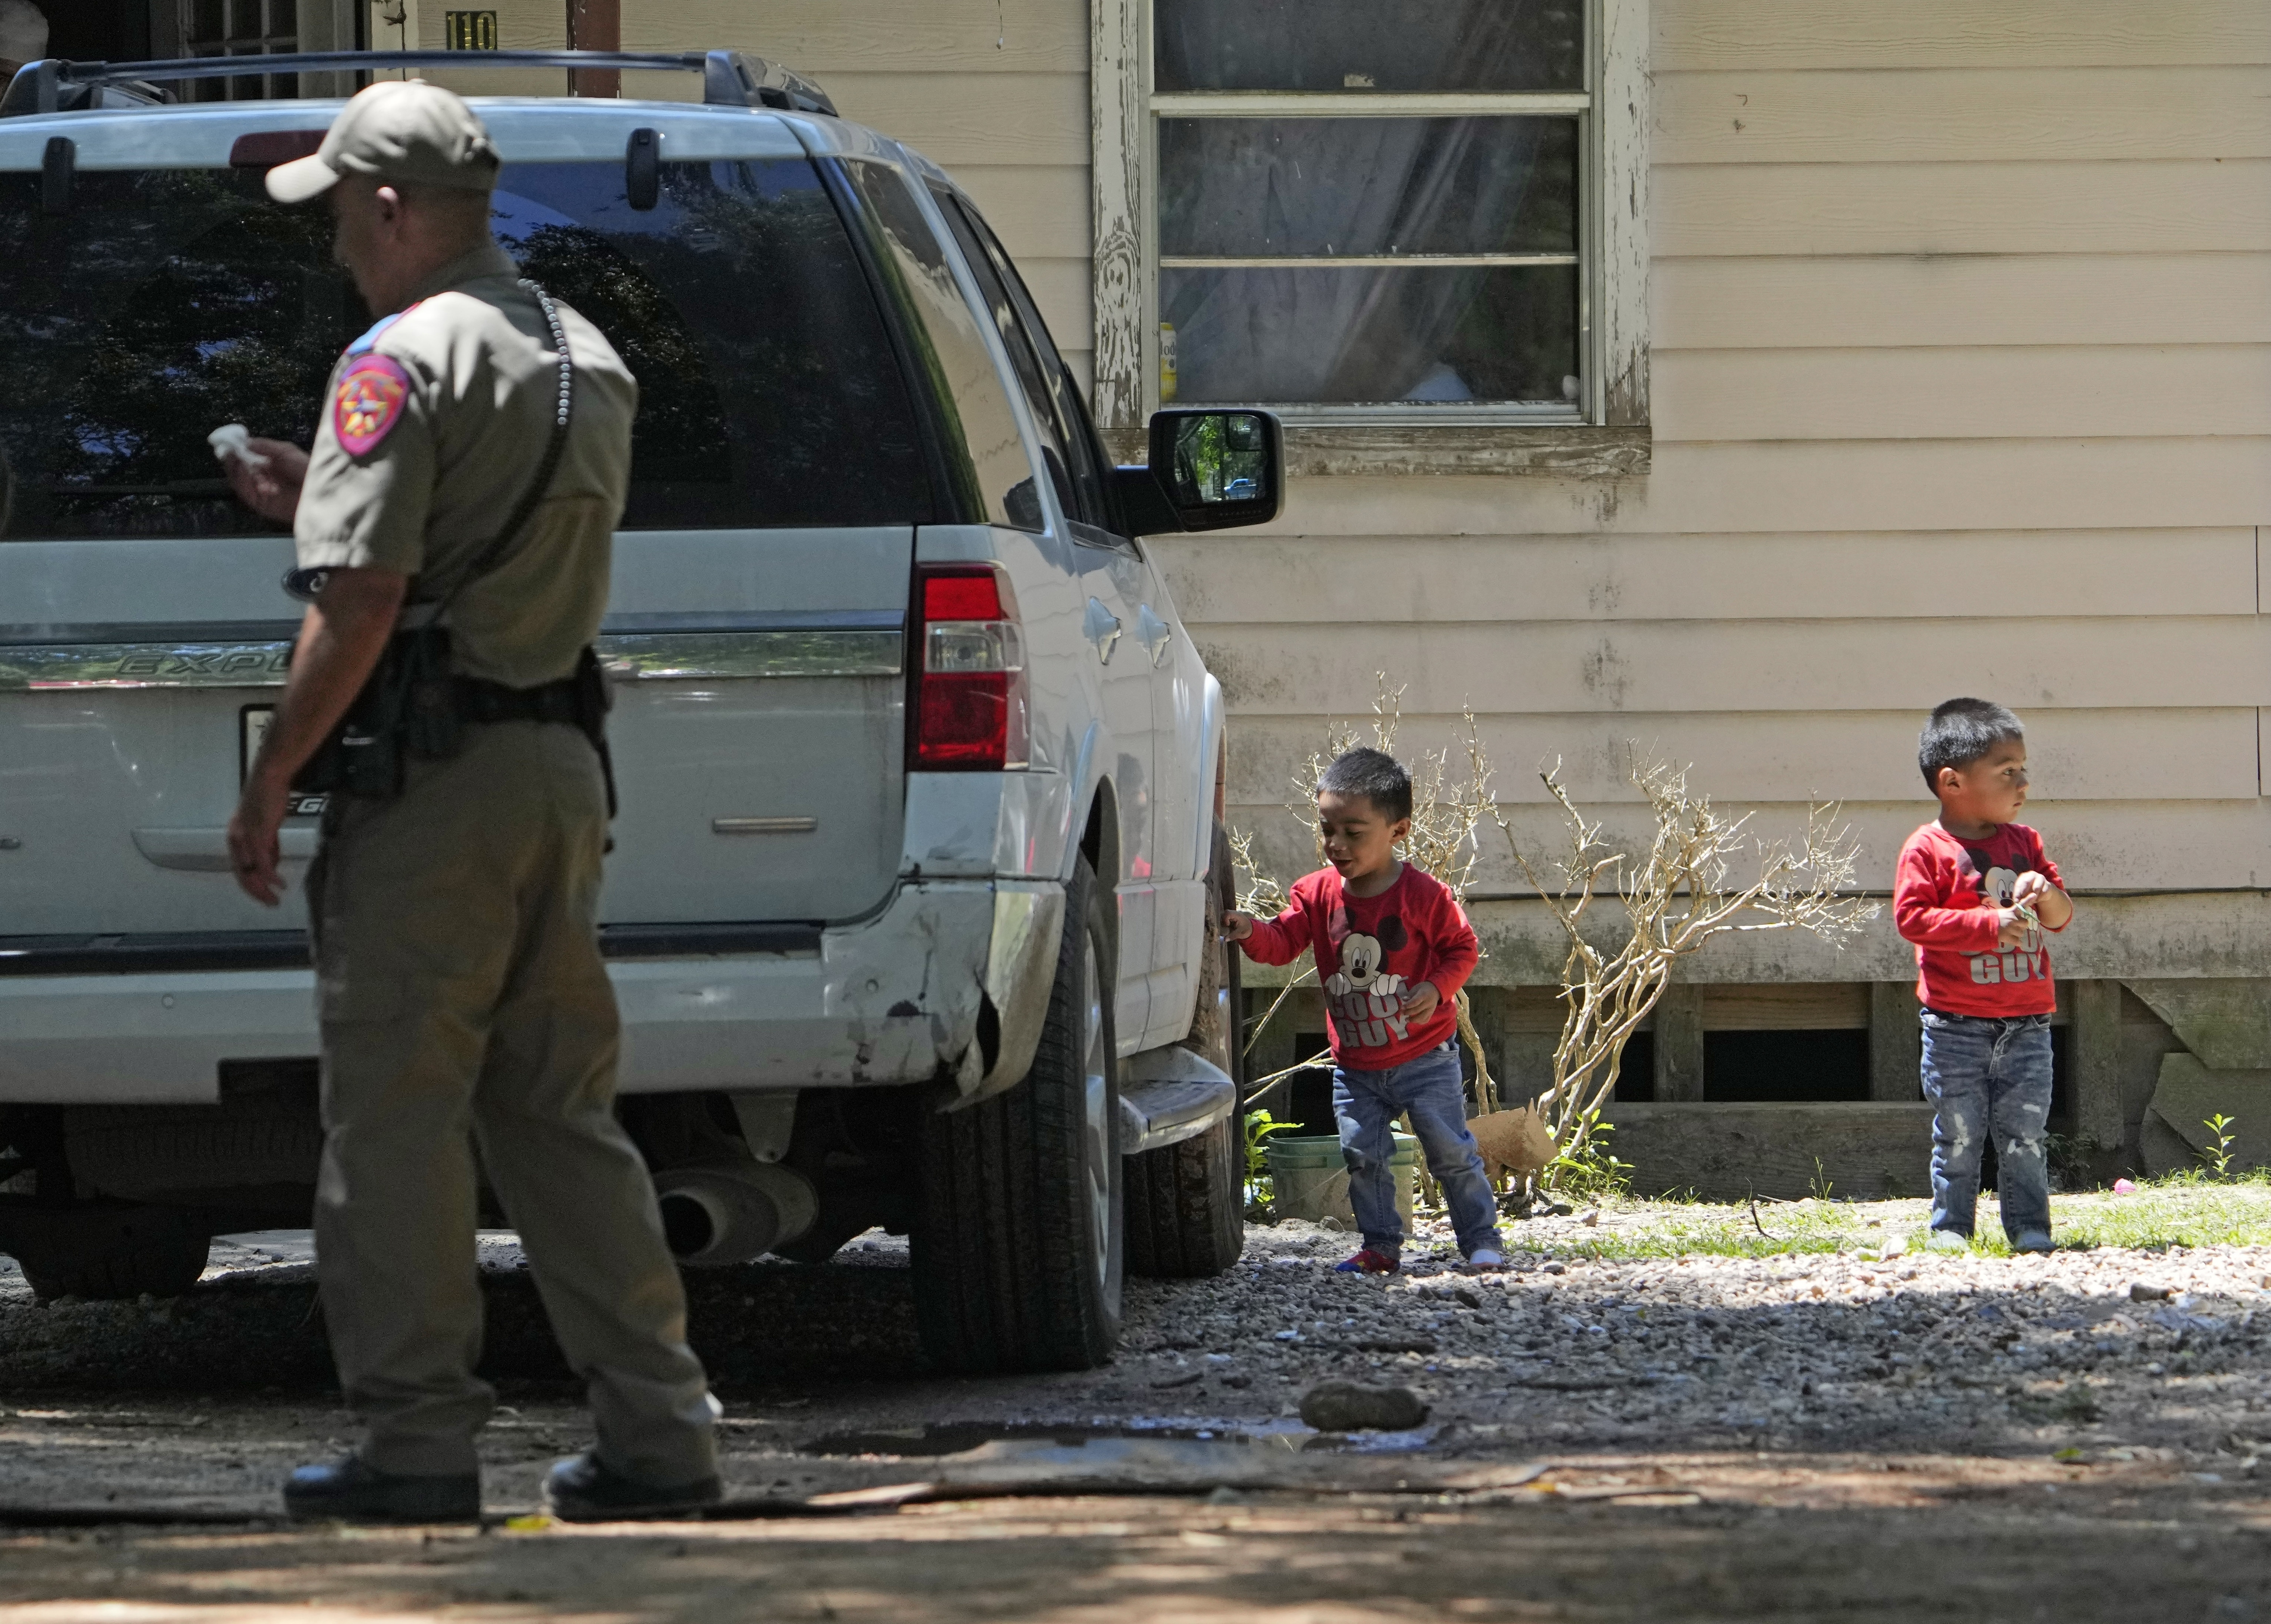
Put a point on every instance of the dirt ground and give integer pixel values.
(1664, 1438)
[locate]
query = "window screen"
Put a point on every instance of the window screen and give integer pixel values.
(1400, 224)
(171, 301)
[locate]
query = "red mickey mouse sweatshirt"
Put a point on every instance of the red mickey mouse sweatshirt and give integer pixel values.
(1370, 951)
(1944, 897)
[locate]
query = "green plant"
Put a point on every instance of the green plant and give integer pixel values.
(2218, 1155)
(2072, 1161)
(1259, 1125)
(1820, 1185)
(1589, 1169)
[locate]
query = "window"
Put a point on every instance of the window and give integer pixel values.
(1369, 203)
(240, 29)
(171, 301)
(1091, 475)
(990, 460)
(1421, 213)
(1048, 394)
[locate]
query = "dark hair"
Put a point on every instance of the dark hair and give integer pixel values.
(1961, 731)
(1375, 775)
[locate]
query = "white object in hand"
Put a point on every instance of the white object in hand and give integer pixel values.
(234, 440)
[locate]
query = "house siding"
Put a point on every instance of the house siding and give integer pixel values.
(1959, 319)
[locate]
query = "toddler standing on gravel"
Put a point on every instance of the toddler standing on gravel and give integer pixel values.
(1393, 949)
(1975, 892)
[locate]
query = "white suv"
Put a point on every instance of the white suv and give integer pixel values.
(909, 905)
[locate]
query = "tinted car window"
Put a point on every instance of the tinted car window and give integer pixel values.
(962, 373)
(1023, 360)
(172, 301)
(1072, 416)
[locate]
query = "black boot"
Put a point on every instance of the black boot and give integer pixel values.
(580, 1489)
(348, 1491)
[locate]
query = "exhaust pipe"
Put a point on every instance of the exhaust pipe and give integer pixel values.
(714, 1215)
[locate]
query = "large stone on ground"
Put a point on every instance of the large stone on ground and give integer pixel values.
(1351, 1407)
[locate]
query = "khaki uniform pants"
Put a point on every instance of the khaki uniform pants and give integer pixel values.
(463, 1000)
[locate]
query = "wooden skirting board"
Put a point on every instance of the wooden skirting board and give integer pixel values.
(1727, 1152)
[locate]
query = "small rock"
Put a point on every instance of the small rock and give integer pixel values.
(2141, 1290)
(1350, 1406)
(1467, 1298)
(1557, 1268)
(1592, 1219)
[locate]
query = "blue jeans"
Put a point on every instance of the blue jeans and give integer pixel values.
(1987, 1075)
(1367, 1104)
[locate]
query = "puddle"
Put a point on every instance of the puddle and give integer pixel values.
(1170, 1444)
(944, 1438)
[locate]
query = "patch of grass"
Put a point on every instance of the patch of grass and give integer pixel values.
(2185, 1209)
(1669, 1228)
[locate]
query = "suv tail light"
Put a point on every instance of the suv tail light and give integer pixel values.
(971, 707)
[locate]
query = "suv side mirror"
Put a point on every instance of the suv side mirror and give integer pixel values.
(1210, 470)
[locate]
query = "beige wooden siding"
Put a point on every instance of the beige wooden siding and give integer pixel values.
(1961, 355)
(996, 92)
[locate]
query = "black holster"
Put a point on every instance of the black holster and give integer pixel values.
(408, 707)
(415, 705)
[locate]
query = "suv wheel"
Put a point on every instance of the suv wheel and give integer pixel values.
(1017, 1260)
(113, 1252)
(1187, 1201)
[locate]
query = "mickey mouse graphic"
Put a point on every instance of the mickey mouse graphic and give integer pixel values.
(2012, 961)
(1367, 1001)
(2000, 886)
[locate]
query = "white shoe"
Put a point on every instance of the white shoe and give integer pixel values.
(1947, 1241)
(1484, 1260)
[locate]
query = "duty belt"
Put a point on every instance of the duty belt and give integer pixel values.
(479, 701)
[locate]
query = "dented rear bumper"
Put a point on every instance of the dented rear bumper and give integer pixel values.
(951, 978)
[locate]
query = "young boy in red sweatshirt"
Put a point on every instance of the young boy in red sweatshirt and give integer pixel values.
(1975, 892)
(1392, 949)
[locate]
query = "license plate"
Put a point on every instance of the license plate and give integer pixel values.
(252, 725)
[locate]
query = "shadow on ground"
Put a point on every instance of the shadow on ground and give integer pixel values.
(753, 1327)
(2003, 1551)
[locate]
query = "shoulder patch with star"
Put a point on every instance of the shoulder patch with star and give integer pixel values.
(368, 403)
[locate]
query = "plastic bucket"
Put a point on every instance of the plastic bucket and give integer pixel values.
(1311, 1178)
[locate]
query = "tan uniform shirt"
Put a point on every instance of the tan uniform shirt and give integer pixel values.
(434, 429)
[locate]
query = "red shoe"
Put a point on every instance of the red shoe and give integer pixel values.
(1369, 1261)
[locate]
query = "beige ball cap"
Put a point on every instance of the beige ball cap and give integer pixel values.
(400, 131)
(23, 31)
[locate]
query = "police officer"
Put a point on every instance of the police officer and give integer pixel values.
(458, 980)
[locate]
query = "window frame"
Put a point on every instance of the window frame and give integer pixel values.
(1605, 434)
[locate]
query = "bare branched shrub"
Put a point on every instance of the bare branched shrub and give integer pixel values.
(1676, 896)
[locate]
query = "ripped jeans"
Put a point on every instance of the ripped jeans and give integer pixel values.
(1987, 1075)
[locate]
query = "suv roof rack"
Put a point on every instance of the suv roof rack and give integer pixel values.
(729, 78)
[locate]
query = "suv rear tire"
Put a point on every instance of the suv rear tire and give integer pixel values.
(1018, 1242)
(1187, 1201)
(1187, 1206)
(108, 1253)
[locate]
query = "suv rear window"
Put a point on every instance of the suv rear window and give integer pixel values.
(170, 301)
